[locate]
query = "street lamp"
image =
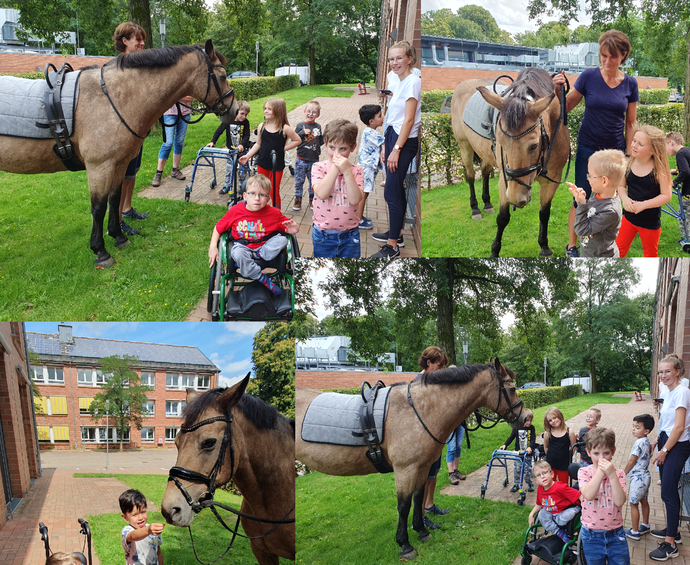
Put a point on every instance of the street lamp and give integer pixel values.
(465, 348)
(162, 31)
(544, 369)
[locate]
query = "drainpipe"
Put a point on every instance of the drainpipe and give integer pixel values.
(446, 58)
(434, 57)
(33, 407)
(74, 412)
(669, 294)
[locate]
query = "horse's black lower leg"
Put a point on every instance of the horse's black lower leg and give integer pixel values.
(469, 176)
(544, 215)
(406, 550)
(486, 197)
(502, 221)
(114, 229)
(98, 208)
(418, 515)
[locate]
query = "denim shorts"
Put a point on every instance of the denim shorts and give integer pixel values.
(340, 244)
(605, 546)
(639, 485)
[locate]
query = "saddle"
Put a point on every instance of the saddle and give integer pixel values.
(480, 116)
(369, 433)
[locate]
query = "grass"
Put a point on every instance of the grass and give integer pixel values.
(210, 538)
(46, 265)
(448, 229)
(338, 517)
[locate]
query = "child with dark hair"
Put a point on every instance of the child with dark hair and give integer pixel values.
(637, 468)
(525, 440)
(61, 558)
(675, 146)
(140, 540)
(240, 120)
(370, 154)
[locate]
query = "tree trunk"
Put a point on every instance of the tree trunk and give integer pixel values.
(445, 331)
(140, 13)
(312, 65)
(686, 103)
(593, 374)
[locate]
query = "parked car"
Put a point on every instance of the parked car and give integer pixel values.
(243, 74)
(532, 385)
(445, 107)
(675, 97)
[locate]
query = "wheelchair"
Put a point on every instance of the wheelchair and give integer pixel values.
(232, 297)
(85, 531)
(549, 547)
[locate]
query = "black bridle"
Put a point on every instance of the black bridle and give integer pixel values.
(508, 415)
(217, 108)
(206, 499)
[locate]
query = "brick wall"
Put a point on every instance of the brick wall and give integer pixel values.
(443, 78)
(321, 380)
(16, 63)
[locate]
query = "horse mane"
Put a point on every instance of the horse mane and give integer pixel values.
(455, 375)
(262, 415)
(162, 57)
(531, 84)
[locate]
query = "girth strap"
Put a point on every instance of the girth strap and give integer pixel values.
(371, 437)
(63, 147)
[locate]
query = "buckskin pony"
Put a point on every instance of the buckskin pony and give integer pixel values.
(415, 432)
(141, 87)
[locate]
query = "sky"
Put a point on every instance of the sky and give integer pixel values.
(510, 15)
(227, 345)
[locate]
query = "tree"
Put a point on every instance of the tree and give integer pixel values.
(273, 359)
(547, 36)
(438, 22)
(666, 12)
(122, 393)
(483, 18)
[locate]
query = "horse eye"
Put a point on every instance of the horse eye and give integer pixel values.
(533, 147)
(208, 443)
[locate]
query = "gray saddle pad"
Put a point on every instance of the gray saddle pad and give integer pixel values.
(480, 116)
(332, 418)
(22, 104)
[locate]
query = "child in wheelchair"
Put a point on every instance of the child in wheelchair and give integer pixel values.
(254, 225)
(557, 503)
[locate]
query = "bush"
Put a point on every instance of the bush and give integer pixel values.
(654, 96)
(355, 390)
(537, 397)
(258, 87)
(433, 99)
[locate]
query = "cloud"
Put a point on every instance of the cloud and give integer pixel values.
(232, 331)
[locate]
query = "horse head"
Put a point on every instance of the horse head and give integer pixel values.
(206, 455)
(509, 403)
(215, 91)
(521, 141)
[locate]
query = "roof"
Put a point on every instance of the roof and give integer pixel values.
(96, 348)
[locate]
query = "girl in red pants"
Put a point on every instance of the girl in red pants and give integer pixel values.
(648, 188)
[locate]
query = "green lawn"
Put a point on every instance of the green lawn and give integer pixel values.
(210, 538)
(352, 520)
(448, 229)
(46, 265)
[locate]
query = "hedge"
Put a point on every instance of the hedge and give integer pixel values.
(441, 164)
(433, 99)
(548, 395)
(655, 96)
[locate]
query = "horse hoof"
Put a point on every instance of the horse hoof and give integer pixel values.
(489, 210)
(546, 252)
(409, 556)
(477, 216)
(104, 263)
(424, 536)
(122, 242)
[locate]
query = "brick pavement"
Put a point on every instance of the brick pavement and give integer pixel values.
(616, 416)
(57, 499)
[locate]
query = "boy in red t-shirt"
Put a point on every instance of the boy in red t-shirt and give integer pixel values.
(252, 222)
(557, 503)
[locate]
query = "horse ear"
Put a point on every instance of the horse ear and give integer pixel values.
(210, 50)
(497, 364)
(232, 395)
(191, 395)
(492, 98)
(538, 107)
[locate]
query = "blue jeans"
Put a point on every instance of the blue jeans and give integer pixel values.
(341, 244)
(174, 133)
(454, 444)
(605, 546)
(302, 173)
(670, 473)
(394, 192)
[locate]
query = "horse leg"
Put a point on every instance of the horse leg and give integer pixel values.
(404, 503)
(547, 191)
(467, 156)
(501, 222)
(263, 557)
(98, 208)
(486, 197)
(114, 229)
(418, 515)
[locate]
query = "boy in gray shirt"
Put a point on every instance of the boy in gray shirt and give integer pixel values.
(598, 219)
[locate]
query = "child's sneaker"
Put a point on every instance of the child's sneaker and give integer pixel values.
(269, 284)
(224, 190)
(430, 525)
(514, 488)
(366, 224)
(530, 487)
(564, 537)
(297, 204)
(632, 534)
(311, 202)
(644, 529)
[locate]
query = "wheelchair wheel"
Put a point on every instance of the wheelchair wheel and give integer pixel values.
(505, 482)
(214, 284)
(211, 287)
(526, 560)
(213, 184)
(686, 247)
(483, 492)
(580, 552)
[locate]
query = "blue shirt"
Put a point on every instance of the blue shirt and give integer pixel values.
(603, 124)
(642, 449)
(370, 148)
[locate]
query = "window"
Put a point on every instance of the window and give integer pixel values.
(148, 435)
(173, 407)
(171, 434)
(101, 379)
(203, 382)
(58, 405)
(61, 433)
(37, 374)
(93, 434)
(89, 435)
(147, 379)
(85, 377)
(55, 376)
(187, 381)
(172, 380)
(84, 405)
(148, 408)
(53, 433)
(43, 433)
(41, 405)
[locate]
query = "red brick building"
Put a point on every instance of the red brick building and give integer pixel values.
(68, 377)
(19, 460)
(324, 380)
(19, 63)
